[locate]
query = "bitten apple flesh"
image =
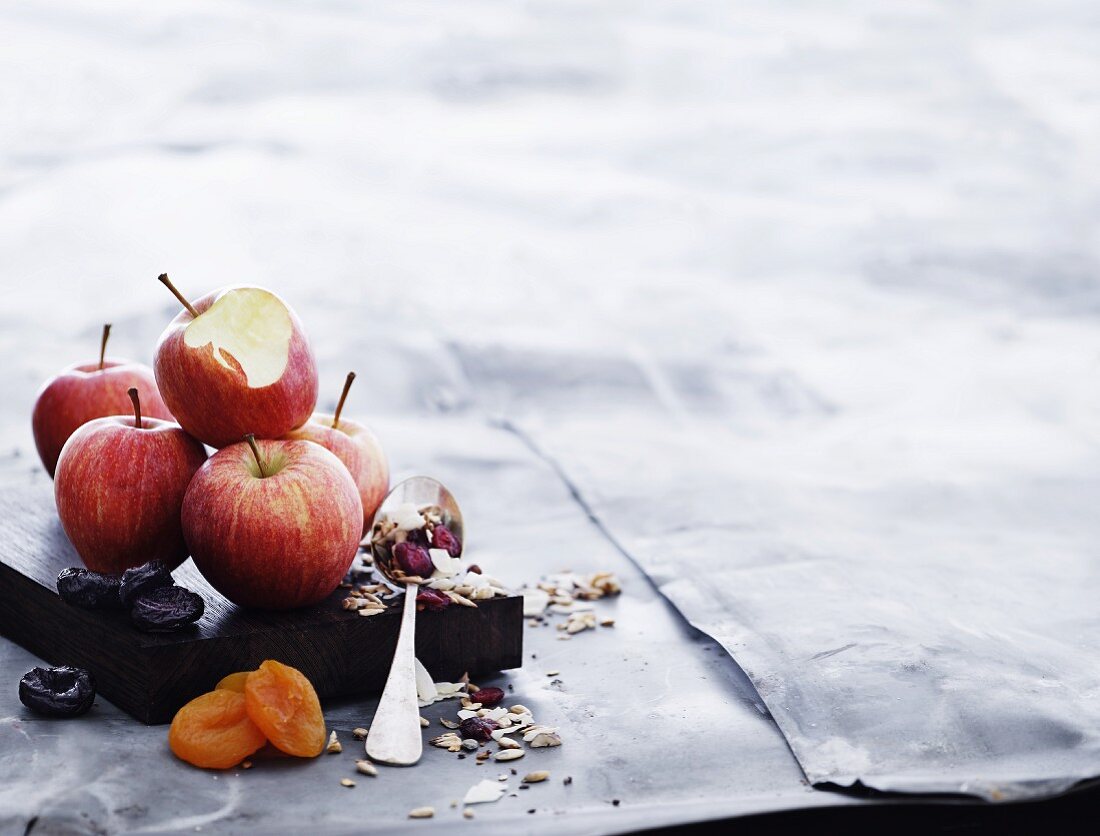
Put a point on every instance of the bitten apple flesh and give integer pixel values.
(359, 450)
(119, 489)
(83, 392)
(276, 541)
(243, 365)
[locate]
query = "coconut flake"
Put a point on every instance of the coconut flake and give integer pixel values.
(534, 602)
(445, 565)
(484, 792)
(407, 517)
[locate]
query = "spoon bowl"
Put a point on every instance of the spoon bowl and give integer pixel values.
(395, 733)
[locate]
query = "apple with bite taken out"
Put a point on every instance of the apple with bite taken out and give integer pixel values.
(273, 524)
(89, 390)
(354, 445)
(236, 361)
(119, 487)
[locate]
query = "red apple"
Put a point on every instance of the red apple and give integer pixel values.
(85, 391)
(236, 361)
(119, 488)
(273, 524)
(354, 445)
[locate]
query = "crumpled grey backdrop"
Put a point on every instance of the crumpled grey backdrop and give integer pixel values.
(800, 299)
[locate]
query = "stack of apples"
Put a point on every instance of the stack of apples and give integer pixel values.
(273, 518)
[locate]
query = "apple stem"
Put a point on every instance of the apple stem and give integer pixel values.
(343, 397)
(133, 393)
(251, 439)
(167, 282)
(103, 343)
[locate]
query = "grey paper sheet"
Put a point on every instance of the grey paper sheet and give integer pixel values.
(913, 622)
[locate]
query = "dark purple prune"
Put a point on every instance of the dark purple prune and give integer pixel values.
(433, 599)
(488, 697)
(92, 590)
(141, 579)
(413, 559)
(57, 692)
(442, 538)
(167, 608)
(478, 728)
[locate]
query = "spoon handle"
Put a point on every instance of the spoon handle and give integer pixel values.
(395, 733)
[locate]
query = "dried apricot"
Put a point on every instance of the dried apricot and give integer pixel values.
(213, 731)
(282, 702)
(233, 682)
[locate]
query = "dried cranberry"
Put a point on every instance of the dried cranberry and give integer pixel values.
(167, 608)
(413, 559)
(418, 536)
(442, 538)
(92, 590)
(433, 599)
(488, 697)
(142, 579)
(57, 692)
(477, 728)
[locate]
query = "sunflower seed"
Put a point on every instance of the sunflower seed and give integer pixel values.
(347, 782)
(536, 777)
(508, 755)
(424, 723)
(367, 768)
(450, 724)
(422, 813)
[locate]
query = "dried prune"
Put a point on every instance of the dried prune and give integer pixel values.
(488, 697)
(478, 728)
(92, 590)
(167, 608)
(433, 599)
(413, 559)
(141, 579)
(443, 538)
(57, 692)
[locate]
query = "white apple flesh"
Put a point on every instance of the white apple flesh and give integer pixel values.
(236, 361)
(276, 535)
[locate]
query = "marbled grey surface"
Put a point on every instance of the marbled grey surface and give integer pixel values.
(770, 287)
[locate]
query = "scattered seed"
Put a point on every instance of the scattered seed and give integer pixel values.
(503, 776)
(424, 722)
(366, 612)
(347, 782)
(449, 724)
(607, 622)
(469, 744)
(552, 673)
(334, 747)
(567, 780)
(519, 709)
(544, 739)
(508, 743)
(508, 754)
(536, 777)
(422, 813)
(359, 734)
(467, 813)
(246, 765)
(367, 768)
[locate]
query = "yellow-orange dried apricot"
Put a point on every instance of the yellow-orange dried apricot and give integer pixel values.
(233, 682)
(283, 704)
(214, 731)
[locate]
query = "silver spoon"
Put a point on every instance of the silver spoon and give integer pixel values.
(395, 733)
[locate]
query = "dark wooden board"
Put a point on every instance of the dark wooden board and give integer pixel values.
(151, 675)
